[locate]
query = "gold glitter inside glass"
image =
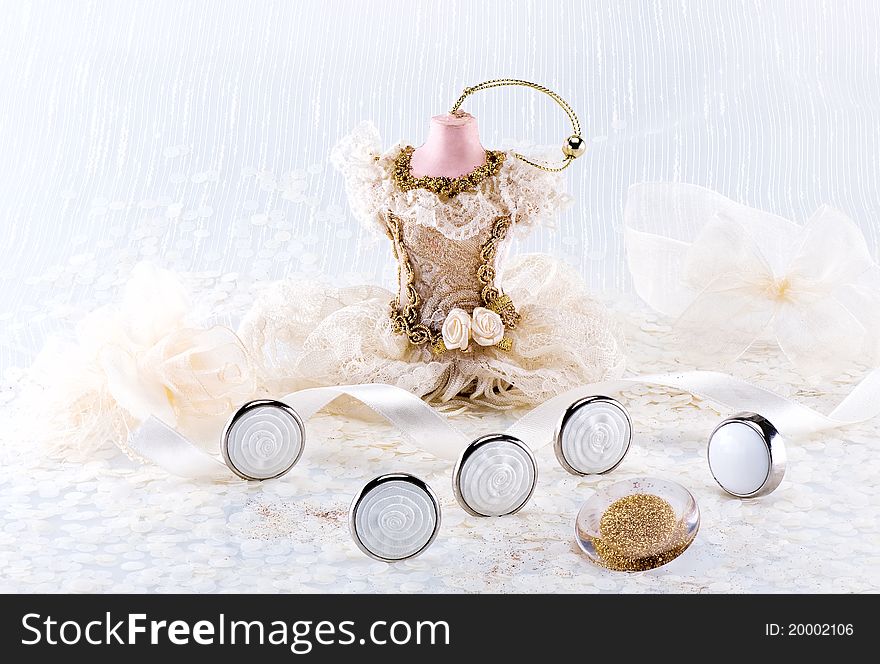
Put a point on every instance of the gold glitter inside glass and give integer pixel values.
(637, 525)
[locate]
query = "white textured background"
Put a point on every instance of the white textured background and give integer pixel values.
(196, 133)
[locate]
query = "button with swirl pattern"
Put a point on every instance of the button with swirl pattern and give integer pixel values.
(593, 436)
(263, 440)
(495, 475)
(394, 517)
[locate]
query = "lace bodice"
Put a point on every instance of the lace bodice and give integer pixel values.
(446, 239)
(444, 272)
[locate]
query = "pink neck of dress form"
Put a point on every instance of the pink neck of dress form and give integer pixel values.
(453, 148)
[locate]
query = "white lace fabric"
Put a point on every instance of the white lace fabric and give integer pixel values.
(528, 195)
(565, 339)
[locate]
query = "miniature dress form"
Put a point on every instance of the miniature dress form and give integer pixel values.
(546, 334)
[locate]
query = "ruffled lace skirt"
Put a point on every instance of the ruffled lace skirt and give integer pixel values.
(303, 335)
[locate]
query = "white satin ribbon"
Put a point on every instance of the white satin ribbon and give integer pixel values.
(431, 432)
(791, 418)
(167, 448)
(422, 425)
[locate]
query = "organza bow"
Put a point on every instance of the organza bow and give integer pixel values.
(751, 275)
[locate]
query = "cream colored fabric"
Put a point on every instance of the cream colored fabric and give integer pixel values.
(305, 335)
(746, 276)
(153, 355)
(526, 194)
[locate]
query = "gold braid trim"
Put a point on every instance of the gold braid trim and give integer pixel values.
(404, 320)
(492, 296)
(443, 186)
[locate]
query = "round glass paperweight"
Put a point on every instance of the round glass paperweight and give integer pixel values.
(638, 524)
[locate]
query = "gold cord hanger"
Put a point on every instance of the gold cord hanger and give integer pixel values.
(574, 145)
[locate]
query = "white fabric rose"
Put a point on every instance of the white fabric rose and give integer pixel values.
(487, 327)
(155, 363)
(457, 329)
(192, 378)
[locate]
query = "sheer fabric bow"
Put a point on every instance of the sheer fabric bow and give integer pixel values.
(750, 275)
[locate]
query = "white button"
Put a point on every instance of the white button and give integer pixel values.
(394, 517)
(593, 436)
(495, 476)
(263, 440)
(739, 458)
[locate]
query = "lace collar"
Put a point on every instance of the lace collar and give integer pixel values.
(443, 186)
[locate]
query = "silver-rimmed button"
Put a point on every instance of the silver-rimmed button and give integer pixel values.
(495, 475)
(747, 455)
(394, 517)
(263, 440)
(593, 436)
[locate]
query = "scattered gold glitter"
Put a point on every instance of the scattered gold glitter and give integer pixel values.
(284, 520)
(639, 532)
(443, 186)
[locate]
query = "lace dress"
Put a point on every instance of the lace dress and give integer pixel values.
(449, 238)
